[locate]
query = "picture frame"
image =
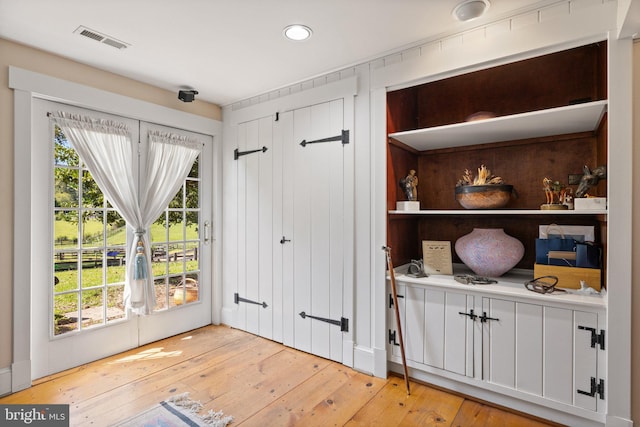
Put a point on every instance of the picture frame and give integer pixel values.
(436, 255)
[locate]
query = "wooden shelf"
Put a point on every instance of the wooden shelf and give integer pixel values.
(553, 121)
(499, 212)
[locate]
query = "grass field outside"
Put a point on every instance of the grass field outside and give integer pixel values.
(88, 283)
(66, 234)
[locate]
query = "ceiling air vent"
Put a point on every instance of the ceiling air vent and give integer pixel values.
(102, 38)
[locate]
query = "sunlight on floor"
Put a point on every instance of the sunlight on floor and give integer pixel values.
(150, 354)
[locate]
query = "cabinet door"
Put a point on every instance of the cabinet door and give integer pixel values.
(425, 326)
(586, 361)
(458, 334)
(545, 351)
(513, 344)
(499, 341)
(414, 332)
(434, 337)
(528, 347)
(558, 354)
(392, 324)
(434, 330)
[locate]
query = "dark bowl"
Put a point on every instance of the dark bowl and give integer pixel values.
(484, 196)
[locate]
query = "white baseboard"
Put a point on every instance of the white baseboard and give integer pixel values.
(20, 375)
(371, 361)
(613, 421)
(380, 368)
(5, 381)
(588, 419)
(228, 316)
(347, 353)
(363, 359)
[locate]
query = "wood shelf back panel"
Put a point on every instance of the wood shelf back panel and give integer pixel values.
(438, 171)
(523, 228)
(404, 240)
(543, 82)
(401, 162)
(401, 110)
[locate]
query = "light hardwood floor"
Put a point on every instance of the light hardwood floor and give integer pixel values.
(258, 382)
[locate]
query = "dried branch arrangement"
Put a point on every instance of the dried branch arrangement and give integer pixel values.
(484, 177)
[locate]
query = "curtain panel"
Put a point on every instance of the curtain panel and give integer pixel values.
(110, 154)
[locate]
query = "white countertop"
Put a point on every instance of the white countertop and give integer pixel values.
(509, 285)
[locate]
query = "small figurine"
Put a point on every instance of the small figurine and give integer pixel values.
(568, 198)
(590, 178)
(409, 184)
(555, 193)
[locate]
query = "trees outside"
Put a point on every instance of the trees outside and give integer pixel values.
(70, 188)
(90, 242)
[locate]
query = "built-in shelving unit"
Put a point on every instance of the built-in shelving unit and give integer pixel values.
(548, 119)
(553, 121)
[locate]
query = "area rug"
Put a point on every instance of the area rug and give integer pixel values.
(177, 411)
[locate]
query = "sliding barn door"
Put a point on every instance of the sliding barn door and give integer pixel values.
(313, 219)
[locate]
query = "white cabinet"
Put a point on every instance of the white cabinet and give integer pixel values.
(547, 349)
(436, 334)
(589, 368)
(509, 345)
(542, 350)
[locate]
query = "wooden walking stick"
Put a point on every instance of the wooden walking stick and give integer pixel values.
(394, 294)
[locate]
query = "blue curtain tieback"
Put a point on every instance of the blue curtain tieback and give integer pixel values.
(140, 260)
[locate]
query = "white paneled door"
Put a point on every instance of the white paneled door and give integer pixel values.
(291, 228)
(258, 228)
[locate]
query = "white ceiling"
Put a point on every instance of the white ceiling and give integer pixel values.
(230, 50)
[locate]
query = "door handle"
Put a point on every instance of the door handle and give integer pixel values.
(471, 315)
(207, 232)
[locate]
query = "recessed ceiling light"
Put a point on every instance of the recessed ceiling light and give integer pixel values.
(469, 10)
(297, 32)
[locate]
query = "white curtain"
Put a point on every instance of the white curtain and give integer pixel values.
(111, 156)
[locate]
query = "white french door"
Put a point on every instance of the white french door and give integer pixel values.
(80, 244)
(182, 251)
